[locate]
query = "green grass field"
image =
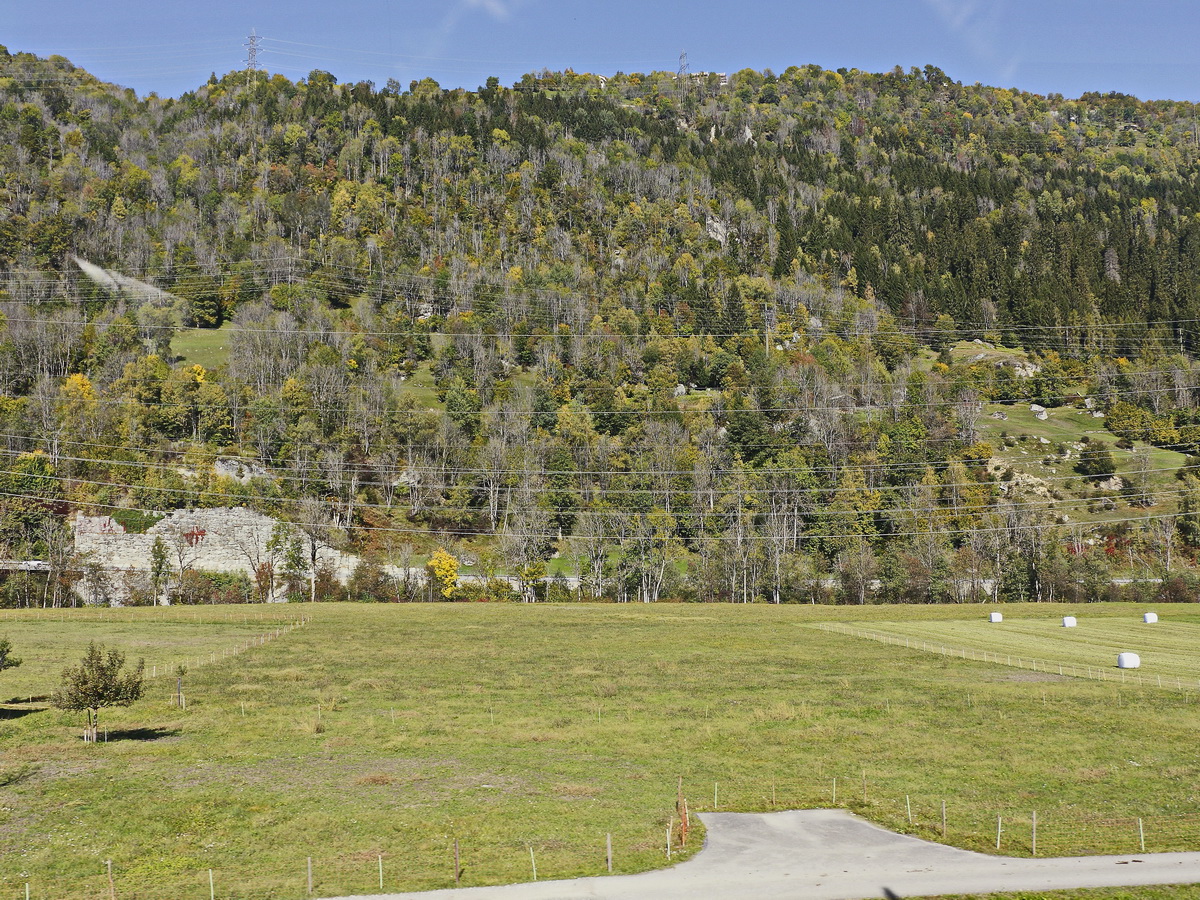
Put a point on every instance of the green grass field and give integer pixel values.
(1168, 649)
(392, 731)
(50, 640)
(208, 347)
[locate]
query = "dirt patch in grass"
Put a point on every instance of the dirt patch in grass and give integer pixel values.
(381, 778)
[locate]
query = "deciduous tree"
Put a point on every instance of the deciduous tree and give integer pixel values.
(97, 683)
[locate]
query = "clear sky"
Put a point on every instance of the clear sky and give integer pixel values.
(1142, 47)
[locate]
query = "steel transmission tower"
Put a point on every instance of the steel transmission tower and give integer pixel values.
(252, 48)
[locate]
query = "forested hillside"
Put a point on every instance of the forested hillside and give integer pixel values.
(684, 338)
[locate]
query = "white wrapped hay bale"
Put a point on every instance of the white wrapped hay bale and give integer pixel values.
(1150, 618)
(1128, 661)
(1068, 621)
(995, 617)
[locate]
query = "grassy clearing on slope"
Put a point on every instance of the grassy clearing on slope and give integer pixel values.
(1064, 424)
(395, 730)
(208, 347)
(1049, 449)
(421, 388)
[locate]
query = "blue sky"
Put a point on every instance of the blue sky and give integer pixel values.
(1147, 48)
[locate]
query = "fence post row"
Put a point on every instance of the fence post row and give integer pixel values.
(1079, 832)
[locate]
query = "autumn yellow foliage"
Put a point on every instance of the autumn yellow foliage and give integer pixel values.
(443, 570)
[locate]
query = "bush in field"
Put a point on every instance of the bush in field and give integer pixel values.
(1183, 588)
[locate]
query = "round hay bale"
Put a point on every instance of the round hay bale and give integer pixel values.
(1150, 618)
(995, 617)
(1068, 622)
(1128, 661)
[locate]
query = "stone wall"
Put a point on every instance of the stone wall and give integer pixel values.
(221, 539)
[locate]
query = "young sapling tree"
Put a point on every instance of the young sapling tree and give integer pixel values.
(98, 682)
(7, 660)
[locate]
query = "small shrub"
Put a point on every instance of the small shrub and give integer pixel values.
(491, 591)
(1178, 589)
(198, 586)
(559, 592)
(371, 583)
(1096, 462)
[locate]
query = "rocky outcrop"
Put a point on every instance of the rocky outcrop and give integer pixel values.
(220, 539)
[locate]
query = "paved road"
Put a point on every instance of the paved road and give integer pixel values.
(824, 854)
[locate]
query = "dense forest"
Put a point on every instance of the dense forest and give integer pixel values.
(679, 337)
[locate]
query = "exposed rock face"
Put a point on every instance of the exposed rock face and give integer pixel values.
(240, 470)
(221, 539)
(1025, 483)
(717, 230)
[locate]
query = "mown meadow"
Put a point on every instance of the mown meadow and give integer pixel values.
(378, 736)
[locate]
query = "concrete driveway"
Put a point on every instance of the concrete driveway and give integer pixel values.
(823, 854)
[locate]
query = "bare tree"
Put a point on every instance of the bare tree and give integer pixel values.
(1162, 539)
(315, 520)
(183, 542)
(857, 567)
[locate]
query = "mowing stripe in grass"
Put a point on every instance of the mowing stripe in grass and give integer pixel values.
(1168, 649)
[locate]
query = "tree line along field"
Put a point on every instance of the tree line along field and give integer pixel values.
(385, 732)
